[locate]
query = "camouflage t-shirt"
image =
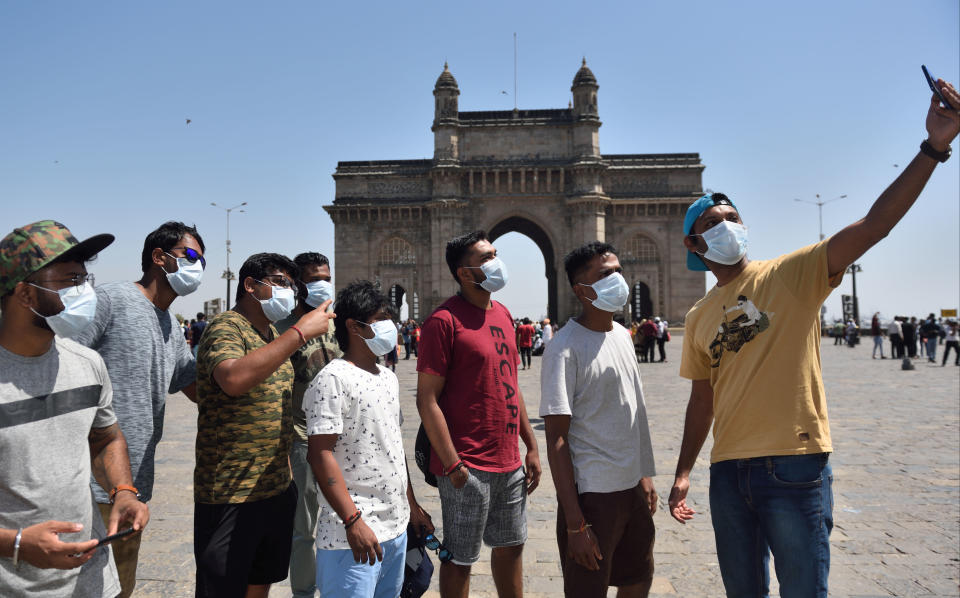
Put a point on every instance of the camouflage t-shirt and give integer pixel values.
(243, 443)
(307, 363)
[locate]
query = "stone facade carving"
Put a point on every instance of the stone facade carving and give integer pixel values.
(536, 172)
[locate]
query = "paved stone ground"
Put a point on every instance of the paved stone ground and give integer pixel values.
(896, 469)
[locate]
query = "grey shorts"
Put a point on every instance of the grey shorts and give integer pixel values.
(490, 508)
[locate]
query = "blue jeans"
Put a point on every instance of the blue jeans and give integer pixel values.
(778, 504)
(932, 348)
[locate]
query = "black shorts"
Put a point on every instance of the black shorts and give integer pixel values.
(241, 544)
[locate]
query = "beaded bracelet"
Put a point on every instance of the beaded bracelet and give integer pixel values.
(352, 519)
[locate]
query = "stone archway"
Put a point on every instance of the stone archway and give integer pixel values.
(537, 172)
(531, 230)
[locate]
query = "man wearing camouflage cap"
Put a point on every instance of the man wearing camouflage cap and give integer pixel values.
(57, 424)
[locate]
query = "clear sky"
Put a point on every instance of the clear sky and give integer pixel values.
(781, 101)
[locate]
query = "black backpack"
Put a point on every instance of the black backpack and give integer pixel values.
(421, 453)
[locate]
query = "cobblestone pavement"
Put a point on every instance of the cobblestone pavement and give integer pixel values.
(896, 486)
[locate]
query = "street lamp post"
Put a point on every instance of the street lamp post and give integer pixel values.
(853, 269)
(820, 205)
(228, 275)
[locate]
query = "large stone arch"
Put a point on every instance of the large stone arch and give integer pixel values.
(536, 172)
(526, 226)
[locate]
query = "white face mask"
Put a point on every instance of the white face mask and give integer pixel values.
(318, 291)
(79, 309)
(496, 275)
(384, 337)
(726, 243)
(612, 292)
(187, 278)
(280, 304)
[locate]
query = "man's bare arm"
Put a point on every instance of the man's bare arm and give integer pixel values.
(849, 244)
(429, 388)
(696, 426)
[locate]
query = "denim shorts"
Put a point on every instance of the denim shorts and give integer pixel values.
(339, 576)
(781, 504)
(490, 508)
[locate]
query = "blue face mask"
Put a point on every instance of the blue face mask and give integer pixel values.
(280, 304)
(384, 337)
(726, 243)
(187, 278)
(612, 292)
(496, 275)
(318, 292)
(79, 310)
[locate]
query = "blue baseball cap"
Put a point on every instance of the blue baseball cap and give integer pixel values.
(694, 212)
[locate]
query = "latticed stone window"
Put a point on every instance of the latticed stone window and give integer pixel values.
(397, 251)
(640, 249)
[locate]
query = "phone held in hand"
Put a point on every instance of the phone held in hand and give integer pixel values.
(116, 536)
(932, 82)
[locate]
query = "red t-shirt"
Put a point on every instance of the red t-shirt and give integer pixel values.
(476, 351)
(526, 335)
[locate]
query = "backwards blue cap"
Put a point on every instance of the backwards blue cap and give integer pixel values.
(693, 212)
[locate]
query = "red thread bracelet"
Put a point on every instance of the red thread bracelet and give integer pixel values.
(453, 468)
(303, 339)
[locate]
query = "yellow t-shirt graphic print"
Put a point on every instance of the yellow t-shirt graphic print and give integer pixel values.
(741, 324)
(757, 340)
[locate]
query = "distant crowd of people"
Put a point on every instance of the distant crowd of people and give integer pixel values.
(910, 337)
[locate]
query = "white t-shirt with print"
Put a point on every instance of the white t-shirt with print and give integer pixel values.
(364, 409)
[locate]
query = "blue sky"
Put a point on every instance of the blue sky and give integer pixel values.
(781, 101)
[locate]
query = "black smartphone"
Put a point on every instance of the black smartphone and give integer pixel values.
(932, 82)
(116, 536)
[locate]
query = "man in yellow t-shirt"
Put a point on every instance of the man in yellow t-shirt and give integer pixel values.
(752, 349)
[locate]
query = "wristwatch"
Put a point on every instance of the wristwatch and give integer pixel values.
(927, 149)
(113, 493)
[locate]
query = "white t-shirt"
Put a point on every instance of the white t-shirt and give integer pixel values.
(593, 377)
(894, 328)
(364, 409)
(547, 333)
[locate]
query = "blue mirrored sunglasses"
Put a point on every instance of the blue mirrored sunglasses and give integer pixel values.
(432, 543)
(191, 255)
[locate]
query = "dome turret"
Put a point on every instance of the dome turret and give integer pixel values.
(447, 81)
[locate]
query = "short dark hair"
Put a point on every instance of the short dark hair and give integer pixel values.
(359, 300)
(459, 247)
(201, 315)
(307, 258)
(166, 238)
(259, 265)
(576, 261)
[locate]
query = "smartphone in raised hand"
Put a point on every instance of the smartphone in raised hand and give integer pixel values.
(932, 82)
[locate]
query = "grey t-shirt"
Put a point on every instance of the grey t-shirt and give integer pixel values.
(147, 357)
(48, 404)
(593, 377)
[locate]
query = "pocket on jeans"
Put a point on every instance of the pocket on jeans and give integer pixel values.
(799, 471)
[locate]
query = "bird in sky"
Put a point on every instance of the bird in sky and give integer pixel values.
(188, 121)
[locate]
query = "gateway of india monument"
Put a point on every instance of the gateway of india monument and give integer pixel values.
(536, 172)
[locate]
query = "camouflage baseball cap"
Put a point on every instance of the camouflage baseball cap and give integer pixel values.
(31, 247)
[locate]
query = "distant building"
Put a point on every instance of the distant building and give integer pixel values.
(536, 172)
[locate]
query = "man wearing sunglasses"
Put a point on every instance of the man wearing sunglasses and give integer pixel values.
(147, 357)
(57, 424)
(244, 493)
